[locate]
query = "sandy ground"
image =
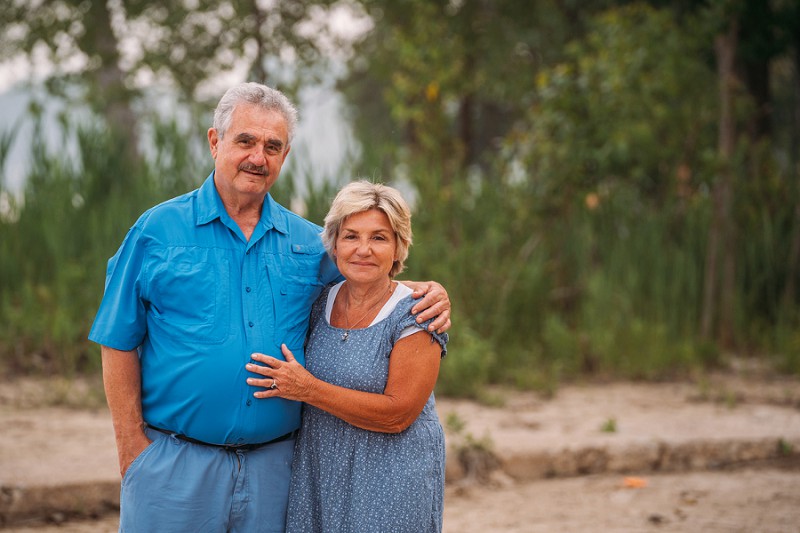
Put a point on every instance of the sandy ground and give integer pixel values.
(764, 500)
(747, 496)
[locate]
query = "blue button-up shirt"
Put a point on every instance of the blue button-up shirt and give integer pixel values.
(196, 298)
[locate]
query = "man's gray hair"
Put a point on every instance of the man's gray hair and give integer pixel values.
(255, 94)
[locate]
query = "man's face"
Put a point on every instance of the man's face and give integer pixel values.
(248, 159)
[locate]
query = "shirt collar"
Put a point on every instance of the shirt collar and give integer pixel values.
(210, 207)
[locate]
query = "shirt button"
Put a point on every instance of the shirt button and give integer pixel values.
(250, 324)
(249, 402)
(247, 289)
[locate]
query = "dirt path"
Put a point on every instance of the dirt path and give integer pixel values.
(764, 500)
(722, 455)
(746, 501)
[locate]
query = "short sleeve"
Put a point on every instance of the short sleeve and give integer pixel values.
(121, 321)
(401, 319)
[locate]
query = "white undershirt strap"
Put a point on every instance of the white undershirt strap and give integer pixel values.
(400, 292)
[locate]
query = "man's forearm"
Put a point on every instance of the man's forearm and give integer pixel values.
(123, 385)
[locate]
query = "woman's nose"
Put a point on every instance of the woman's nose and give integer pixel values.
(364, 247)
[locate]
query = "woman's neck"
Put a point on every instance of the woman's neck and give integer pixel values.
(360, 295)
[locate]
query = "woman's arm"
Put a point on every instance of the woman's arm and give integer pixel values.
(413, 369)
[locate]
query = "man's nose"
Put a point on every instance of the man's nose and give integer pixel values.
(257, 157)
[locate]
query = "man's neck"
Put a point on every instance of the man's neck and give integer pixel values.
(245, 211)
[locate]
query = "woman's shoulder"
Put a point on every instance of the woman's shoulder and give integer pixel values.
(398, 305)
(402, 320)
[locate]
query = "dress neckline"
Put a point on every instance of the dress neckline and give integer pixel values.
(400, 292)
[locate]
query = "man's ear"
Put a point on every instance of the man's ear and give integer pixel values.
(213, 141)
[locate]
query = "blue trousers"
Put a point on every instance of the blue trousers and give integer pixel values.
(178, 486)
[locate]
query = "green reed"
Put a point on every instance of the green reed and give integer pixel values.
(542, 292)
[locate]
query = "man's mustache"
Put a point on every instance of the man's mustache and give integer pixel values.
(255, 169)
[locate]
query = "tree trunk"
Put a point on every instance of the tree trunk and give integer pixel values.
(719, 287)
(757, 34)
(110, 96)
(788, 299)
(726, 54)
(466, 114)
(257, 71)
(793, 268)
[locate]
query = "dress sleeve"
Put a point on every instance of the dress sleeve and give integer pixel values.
(402, 319)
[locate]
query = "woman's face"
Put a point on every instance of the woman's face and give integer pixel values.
(366, 247)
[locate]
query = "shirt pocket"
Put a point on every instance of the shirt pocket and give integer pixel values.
(190, 294)
(299, 287)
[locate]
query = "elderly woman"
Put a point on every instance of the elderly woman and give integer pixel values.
(370, 455)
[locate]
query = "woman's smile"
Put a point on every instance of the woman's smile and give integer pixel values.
(366, 247)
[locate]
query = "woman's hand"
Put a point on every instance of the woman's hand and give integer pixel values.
(282, 379)
(435, 304)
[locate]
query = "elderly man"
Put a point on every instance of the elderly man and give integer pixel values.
(199, 283)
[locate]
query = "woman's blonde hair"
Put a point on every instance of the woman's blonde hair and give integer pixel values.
(360, 196)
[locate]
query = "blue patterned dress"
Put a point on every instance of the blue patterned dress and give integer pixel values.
(347, 479)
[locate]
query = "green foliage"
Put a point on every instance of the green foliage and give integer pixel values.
(628, 105)
(609, 426)
(785, 448)
(786, 348)
(475, 456)
(448, 80)
(578, 247)
(55, 242)
(560, 158)
(454, 423)
(466, 374)
(183, 44)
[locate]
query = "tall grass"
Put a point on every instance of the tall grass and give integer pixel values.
(611, 287)
(56, 239)
(541, 295)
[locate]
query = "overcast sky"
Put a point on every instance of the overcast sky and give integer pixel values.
(322, 134)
